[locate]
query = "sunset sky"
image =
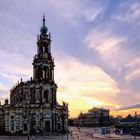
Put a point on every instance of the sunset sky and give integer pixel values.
(95, 44)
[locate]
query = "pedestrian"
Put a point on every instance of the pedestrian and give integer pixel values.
(33, 138)
(121, 131)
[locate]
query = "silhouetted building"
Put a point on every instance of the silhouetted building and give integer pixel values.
(33, 106)
(94, 117)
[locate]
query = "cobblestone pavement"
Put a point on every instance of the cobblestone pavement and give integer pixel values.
(65, 138)
(76, 134)
(95, 134)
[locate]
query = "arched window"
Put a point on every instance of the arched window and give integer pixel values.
(12, 123)
(44, 49)
(46, 95)
(32, 95)
(12, 117)
(12, 126)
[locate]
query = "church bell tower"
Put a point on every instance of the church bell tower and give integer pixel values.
(36, 98)
(43, 64)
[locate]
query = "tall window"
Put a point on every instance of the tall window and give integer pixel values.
(12, 126)
(12, 123)
(46, 95)
(25, 127)
(43, 48)
(32, 94)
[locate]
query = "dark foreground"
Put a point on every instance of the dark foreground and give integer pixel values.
(76, 134)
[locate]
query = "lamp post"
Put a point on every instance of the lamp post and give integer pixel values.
(28, 126)
(17, 120)
(28, 114)
(135, 125)
(41, 123)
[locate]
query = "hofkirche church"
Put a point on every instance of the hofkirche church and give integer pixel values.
(33, 106)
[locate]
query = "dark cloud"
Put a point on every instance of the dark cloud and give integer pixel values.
(136, 106)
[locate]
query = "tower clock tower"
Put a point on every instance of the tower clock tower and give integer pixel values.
(43, 64)
(33, 104)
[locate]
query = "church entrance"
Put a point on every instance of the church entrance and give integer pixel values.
(47, 126)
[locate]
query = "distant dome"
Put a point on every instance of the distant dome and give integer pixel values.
(43, 29)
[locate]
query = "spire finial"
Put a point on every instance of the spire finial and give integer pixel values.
(43, 15)
(43, 19)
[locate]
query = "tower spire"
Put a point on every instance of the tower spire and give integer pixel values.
(43, 29)
(43, 64)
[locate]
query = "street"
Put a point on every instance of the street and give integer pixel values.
(95, 134)
(76, 134)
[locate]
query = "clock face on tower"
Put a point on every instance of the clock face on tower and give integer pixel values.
(45, 55)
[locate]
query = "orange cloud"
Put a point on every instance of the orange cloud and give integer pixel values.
(83, 86)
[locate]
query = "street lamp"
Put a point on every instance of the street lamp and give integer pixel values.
(28, 114)
(135, 125)
(28, 126)
(17, 122)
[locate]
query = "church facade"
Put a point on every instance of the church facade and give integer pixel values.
(33, 106)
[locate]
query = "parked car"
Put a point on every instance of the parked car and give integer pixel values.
(117, 131)
(105, 130)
